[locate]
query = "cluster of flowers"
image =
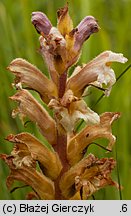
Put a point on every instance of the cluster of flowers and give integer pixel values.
(64, 171)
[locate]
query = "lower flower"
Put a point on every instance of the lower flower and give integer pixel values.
(41, 185)
(87, 177)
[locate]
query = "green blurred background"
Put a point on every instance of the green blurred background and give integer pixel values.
(18, 38)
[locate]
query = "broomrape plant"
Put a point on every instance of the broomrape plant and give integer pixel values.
(64, 170)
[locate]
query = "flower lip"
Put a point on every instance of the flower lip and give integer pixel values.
(41, 22)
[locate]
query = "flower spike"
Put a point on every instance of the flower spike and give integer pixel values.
(65, 169)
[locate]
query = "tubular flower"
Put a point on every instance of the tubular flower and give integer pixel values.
(33, 78)
(47, 159)
(89, 175)
(96, 72)
(62, 170)
(30, 107)
(70, 109)
(26, 173)
(89, 134)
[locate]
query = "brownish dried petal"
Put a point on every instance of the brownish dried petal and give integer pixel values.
(68, 179)
(42, 185)
(65, 24)
(29, 106)
(96, 70)
(41, 22)
(100, 179)
(33, 78)
(48, 159)
(22, 156)
(90, 174)
(89, 134)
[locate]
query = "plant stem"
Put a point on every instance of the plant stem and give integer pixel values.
(62, 84)
(61, 145)
(61, 148)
